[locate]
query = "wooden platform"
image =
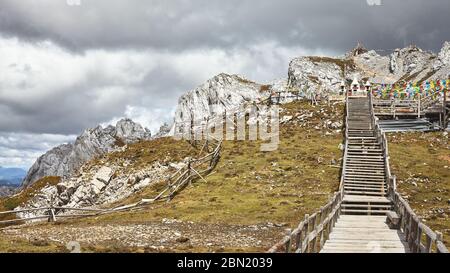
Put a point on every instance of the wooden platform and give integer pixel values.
(362, 198)
(364, 234)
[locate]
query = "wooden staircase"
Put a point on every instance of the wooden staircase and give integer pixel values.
(365, 186)
(362, 225)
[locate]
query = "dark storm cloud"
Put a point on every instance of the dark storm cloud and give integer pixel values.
(184, 24)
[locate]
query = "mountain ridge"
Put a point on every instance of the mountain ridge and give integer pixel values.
(65, 159)
(11, 176)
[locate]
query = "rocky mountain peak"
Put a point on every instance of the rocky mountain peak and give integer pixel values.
(444, 55)
(129, 131)
(358, 50)
(222, 92)
(322, 75)
(65, 159)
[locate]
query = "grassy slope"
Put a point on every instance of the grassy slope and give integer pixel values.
(249, 186)
(143, 154)
(421, 162)
(10, 203)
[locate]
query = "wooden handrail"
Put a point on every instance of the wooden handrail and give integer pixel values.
(344, 160)
(313, 231)
(411, 225)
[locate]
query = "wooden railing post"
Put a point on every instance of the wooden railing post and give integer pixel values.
(419, 103)
(288, 244)
(439, 236)
(51, 210)
(189, 171)
(305, 244)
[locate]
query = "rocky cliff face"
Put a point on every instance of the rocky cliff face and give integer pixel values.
(7, 190)
(317, 74)
(96, 185)
(324, 75)
(65, 159)
(223, 92)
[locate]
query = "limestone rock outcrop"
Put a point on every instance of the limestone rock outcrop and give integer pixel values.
(65, 159)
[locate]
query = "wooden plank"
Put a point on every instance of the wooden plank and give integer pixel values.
(353, 198)
(364, 251)
(366, 225)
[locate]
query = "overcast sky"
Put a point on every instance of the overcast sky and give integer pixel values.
(65, 67)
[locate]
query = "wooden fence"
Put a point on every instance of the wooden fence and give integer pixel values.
(193, 170)
(50, 213)
(196, 168)
(312, 233)
(420, 238)
(408, 107)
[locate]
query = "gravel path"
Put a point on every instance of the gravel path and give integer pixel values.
(167, 235)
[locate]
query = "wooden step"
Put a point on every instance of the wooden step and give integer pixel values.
(365, 156)
(362, 212)
(364, 177)
(368, 170)
(362, 150)
(370, 249)
(365, 173)
(365, 164)
(351, 189)
(351, 160)
(364, 146)
(365, 183)
(364, 188)
(369, 155)
(396, 243)
(362, 192)
(347, 205)
(361, 161)
(387, 235)
(371, 199)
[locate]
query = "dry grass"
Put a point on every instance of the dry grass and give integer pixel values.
(265, 88)
(34, 245)
(249, 186)
(10, 203)
(344, 64)
(421, 163)
(29, 192)
(144, 153)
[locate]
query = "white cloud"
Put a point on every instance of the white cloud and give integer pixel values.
(21, 150)
(148, 118)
